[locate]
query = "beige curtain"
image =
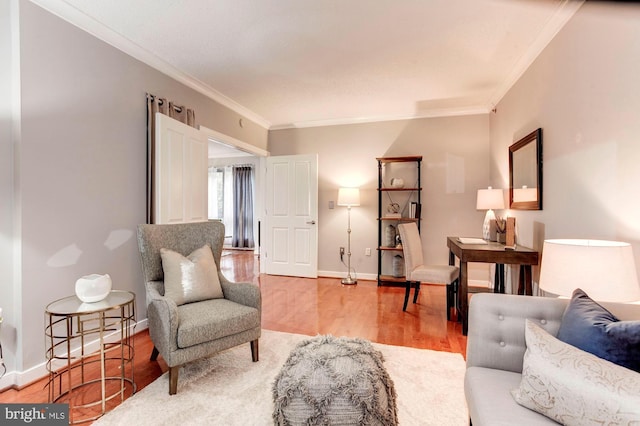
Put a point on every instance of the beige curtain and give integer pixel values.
(180, 113)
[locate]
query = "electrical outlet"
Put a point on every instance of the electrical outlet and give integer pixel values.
(341, 252)
(367, 251)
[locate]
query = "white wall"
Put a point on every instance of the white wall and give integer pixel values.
(583, 92)
(454, 150)
(80, 188)
(7, 335)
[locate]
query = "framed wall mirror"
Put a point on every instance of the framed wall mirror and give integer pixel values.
(525, 172)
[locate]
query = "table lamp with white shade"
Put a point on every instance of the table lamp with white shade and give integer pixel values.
(349, 197)
(489, 199)
(605, 270)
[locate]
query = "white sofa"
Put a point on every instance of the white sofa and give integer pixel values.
(495, 351)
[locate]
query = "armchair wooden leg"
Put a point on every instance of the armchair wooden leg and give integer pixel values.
(173, 379)
(416, 292)
(254, 350)
(407, 291)
(154, 354)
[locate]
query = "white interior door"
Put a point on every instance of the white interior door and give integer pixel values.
(180, 180)
(291, 206)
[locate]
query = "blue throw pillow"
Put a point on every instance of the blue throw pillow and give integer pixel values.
(590, 327)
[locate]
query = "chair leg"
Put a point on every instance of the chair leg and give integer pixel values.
(416, 292)
(449, 300)
(452, 299)
(173, 379)
(154, 354)
(406, 295)
(254, 350)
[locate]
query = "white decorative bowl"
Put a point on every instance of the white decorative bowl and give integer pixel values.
(93, 288)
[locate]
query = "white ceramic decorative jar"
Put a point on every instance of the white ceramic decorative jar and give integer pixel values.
(93, 288)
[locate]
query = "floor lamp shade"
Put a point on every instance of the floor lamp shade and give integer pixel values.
(349, 197)
(605, 270)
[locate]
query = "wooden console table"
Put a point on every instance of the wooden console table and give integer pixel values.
(489, 253)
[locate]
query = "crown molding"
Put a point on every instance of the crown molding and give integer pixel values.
(434, 113)
(86, 23)
(563, 14)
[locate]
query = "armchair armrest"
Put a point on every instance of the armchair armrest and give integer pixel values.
(162, 312)
(247, 294)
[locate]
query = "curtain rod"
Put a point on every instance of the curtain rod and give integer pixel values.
(161, 101)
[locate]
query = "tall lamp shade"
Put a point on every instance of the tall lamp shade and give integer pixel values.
(349, 197)
(605, 270)
(489, 199)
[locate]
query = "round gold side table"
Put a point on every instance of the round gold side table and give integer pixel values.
(89, 352)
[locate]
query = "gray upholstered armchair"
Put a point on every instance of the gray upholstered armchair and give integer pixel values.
(189, 331)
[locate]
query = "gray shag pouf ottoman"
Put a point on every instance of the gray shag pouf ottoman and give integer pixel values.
(334, 381)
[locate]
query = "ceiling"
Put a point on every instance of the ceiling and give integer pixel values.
(297, 63)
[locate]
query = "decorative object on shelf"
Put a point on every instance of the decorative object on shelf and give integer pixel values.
(398, 266)
(393, 210)
(510, 239)
(489, 199)
(397, 183)
(390, 236)
(605, 270)
(93, 288)
(349, 197)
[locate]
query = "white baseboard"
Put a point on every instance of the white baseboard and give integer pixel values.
(23, 378)
(334, 274)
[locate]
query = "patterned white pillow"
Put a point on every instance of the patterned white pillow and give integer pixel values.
(191, 278)
(574, 387)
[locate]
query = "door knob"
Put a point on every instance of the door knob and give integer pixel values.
(313, 222)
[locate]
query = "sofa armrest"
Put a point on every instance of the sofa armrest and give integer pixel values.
(496, 327)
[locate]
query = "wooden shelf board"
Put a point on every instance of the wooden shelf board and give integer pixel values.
(400, 189)
(390, 248)
(399, 159)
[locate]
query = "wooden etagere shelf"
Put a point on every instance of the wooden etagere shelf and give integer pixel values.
(413, 195)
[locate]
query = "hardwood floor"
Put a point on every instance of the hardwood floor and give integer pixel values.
(313, 306)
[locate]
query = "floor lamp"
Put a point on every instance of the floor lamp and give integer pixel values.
(349, 197)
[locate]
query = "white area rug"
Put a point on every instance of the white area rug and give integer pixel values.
(229, 389)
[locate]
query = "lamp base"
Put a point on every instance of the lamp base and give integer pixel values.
(486, 225)
(349, 281)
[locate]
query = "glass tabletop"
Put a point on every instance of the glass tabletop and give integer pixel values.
(73, 306)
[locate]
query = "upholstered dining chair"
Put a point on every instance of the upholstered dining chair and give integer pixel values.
(416, 271)
(193, 310)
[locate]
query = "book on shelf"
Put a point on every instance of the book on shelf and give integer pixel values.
(393, 215)
(415, 210)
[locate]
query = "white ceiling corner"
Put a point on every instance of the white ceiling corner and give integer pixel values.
(286, 63)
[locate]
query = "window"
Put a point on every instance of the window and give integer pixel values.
(221, 197)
